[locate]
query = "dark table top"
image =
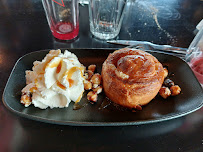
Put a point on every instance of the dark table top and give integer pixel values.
(23, 29)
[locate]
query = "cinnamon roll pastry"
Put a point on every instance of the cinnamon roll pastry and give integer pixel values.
(131, 77)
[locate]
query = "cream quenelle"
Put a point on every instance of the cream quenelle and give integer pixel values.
(54, 82)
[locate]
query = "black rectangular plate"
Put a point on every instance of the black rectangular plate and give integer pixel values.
(102, 113)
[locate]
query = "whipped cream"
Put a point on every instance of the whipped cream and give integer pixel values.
(55, 81)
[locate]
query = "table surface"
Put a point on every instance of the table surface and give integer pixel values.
(24, 29)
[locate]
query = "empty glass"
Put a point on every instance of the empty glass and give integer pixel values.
(105, 17)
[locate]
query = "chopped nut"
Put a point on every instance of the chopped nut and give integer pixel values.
(175, 90)
(164, 92)
(86, 76)
(96, 79)
(92, 67)
(90, 74)
(165, 72)
(98, 89)
(92, 96)
(26, 99)
(87, 85)
(95, 86)
(168, 83)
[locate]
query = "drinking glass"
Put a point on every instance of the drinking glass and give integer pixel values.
(194, 56)
(62, 17)
(105, 17)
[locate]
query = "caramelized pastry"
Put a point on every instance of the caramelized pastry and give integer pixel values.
(131, 77)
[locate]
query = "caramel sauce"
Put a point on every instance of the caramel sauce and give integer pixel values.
(58, 69)
(71, 82)
(36, 83)
(54, 64)
(79, 98)
(70, 73)
(47, 63)
(79, 105)
(60, 85)
(33, 89)
(40, 77)
(27, 98)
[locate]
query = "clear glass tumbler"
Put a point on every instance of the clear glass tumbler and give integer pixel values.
(106, 17)
(194, 56)
(62, 17)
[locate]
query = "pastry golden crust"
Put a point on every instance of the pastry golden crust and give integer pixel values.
(131, 77)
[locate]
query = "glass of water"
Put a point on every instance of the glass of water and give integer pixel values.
(106, 17)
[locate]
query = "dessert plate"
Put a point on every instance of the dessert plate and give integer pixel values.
(104, 112)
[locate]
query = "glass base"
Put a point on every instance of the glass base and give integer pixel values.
(104, 33)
